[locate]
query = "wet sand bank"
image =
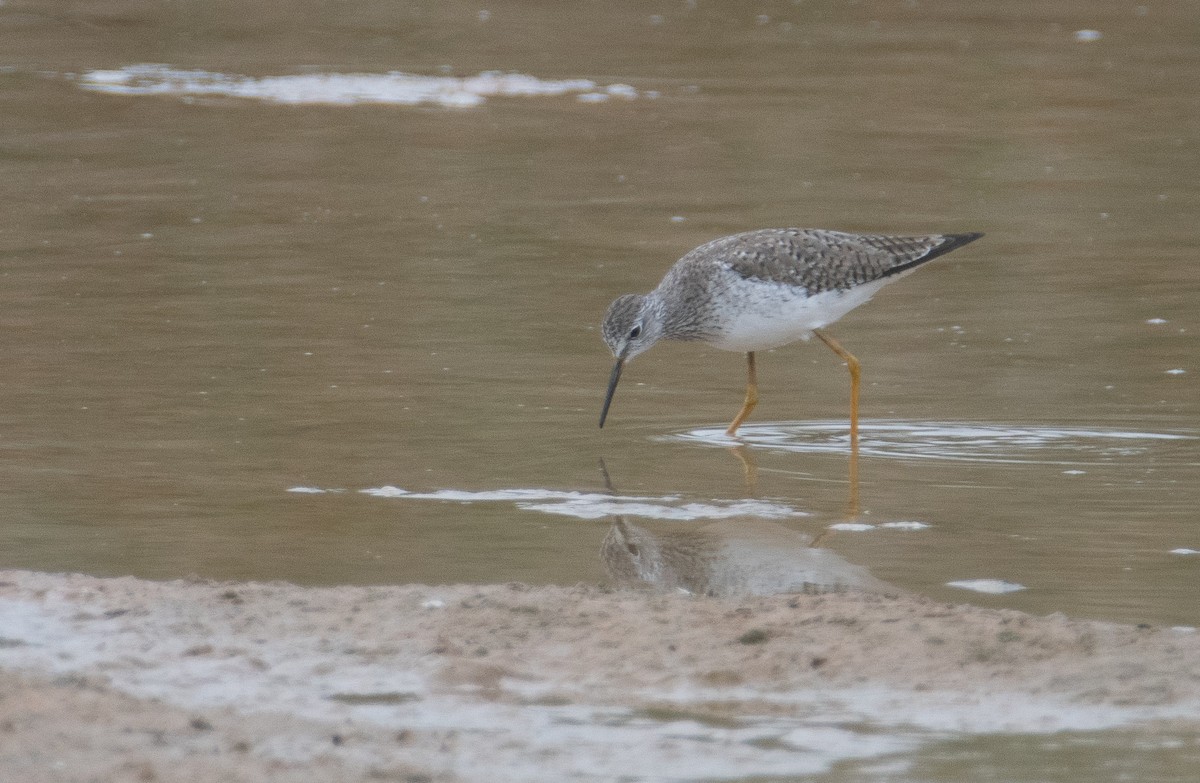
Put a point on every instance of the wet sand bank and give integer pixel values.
(125, 679)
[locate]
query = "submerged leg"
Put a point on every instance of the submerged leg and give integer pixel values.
(751, 396)
(852, 363)
(855, 374)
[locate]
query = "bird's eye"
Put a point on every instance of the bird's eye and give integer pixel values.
(635, 332)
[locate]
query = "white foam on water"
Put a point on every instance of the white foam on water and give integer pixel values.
(596, 505)
(511, 495)
(862, 527)
(1185, 551)
(622, 91)
(396, 88)
(688, 511)
(906, 525)
(990, 586)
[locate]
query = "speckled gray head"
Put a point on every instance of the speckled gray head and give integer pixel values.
(632, 324)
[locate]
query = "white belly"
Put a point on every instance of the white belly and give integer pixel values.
(768, 315)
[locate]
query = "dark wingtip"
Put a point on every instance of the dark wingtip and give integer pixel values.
(953, 242)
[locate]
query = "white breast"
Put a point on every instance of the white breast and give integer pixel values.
(758, 315)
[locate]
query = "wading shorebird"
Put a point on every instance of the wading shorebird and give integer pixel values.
(763, 289)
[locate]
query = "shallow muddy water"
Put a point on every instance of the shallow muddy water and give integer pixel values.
(227, 278)
(305, 296)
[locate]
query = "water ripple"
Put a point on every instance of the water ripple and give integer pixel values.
(963, 442)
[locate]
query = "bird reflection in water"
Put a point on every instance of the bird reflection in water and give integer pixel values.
(729, 558)
(745, 456)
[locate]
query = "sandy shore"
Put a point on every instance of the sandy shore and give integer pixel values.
(123, 679)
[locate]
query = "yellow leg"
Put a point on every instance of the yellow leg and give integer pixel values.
(751, 396)
(855, 374)
(852, 498)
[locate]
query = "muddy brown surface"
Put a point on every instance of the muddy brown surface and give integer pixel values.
(124, 679)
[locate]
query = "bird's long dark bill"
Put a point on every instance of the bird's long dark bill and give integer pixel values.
(612, 387)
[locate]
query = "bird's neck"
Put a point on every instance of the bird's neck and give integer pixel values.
(680, 320)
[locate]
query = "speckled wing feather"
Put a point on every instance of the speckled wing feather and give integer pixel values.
(819, 260)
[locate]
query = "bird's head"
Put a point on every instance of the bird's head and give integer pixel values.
(632, 324)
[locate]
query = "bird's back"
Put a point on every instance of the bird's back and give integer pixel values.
(819, 260)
